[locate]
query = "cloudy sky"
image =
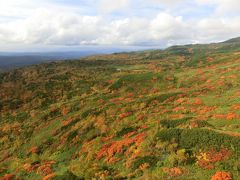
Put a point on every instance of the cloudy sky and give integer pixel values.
(28, 24)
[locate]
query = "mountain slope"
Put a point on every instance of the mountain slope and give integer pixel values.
(151, 114)
(233, 40)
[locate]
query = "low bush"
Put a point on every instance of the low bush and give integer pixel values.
(199, 138)
(173, 123)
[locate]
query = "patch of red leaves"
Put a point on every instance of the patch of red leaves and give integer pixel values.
(207, 160)
(236, 107)
(8, 177)
(117, 147)
(229, 116)
(65, 111)
(67, 122)
(34, 150)
(124, 115)
(221, 175)
(173, 172)
(43, 168)
(198, 101)
(49, 176)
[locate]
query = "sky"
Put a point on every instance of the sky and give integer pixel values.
(71, 24)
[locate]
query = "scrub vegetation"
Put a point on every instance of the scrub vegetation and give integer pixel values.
(160, 114)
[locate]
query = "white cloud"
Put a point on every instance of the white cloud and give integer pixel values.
(48, 27)
(51, 27)
(217, 29)
(44, 23)
(165, 26)
(222, 6)
(108, 6)
(168, 2)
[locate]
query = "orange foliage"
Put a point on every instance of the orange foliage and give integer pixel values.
(65, 111)
(154, 102)
(129, 95)
(144, 91)
(101, 101)
(67, 122)
(124, 115)
(140, 117)
(220, 83)
(198, 101)
(205, 109)
(210, 87)
(203, 78)
(219, 116)
(180, 100)
(34, 150)
(129, 99)
(233, 76)
(210, 59)
(117, 100)
(169, 78)
(173, 172)
(144, 126)
(46, 168)
(113, 160)
(29, 168)
(177, 109)
(231, 116)
(116, 147)
(110, 81)
(105, 139)
(8, 177)
(237, 93)
(236, 107)
(232, 134)
(154, 90)
(144, 166)
(221, 175)
(49, 177)
(154, 79)
(208, 159)
(177, 116)
(199, 71)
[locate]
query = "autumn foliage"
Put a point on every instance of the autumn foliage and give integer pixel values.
(207, 160)
(221, 175)
(116, 147)
(173, 172)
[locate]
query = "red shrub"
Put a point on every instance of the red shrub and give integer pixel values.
(221, 175)
(124, 115)
(8, 177)
(208, 159)
(173, 172)
(116, 147)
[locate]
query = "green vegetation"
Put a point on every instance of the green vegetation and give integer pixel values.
(160, 114)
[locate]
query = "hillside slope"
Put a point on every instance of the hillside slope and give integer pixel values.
(151, 114)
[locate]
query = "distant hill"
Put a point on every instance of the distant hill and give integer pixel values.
(12, 60)
(233, 40)
(15, 60)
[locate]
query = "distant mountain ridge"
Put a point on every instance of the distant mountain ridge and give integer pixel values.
(11, 60)
(15, 60)
(233, 40)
